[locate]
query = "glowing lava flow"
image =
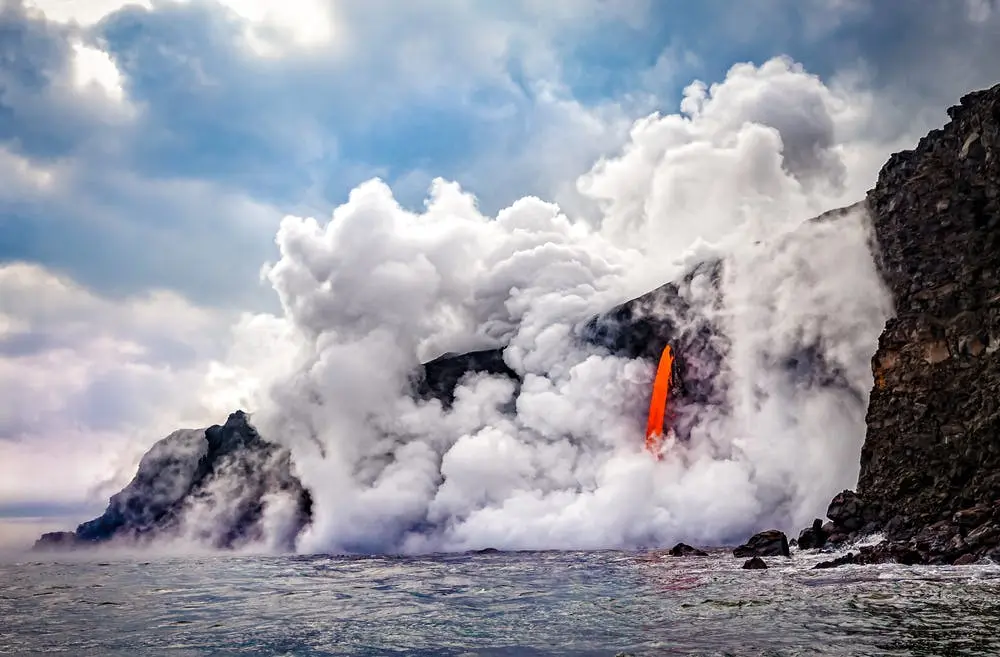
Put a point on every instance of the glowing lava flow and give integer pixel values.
(658, 404)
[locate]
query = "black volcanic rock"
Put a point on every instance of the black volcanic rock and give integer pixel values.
(685, 550)
(673, 313)
(847, 512)
(812, 537)
(933, 441)
(210, 486)
(438, 378)
(771, 543)
(755, 563)
(930, 465)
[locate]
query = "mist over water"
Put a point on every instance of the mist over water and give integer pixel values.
(376, 290)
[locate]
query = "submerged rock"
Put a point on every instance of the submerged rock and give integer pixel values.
(685, 550)
(215, 487)
(771, 543)
(884, 552)
(756, 563)
(845, 560)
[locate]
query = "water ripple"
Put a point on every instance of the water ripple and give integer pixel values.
(538, 603)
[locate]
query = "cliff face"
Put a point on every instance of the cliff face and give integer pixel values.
(933, 441)
(212, 487)
(930, 464)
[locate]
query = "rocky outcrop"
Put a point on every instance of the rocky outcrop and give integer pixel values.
(215, 487)
(812, 537)
(756, 563)
(933, 442)
(437, 379)
(930, 465)
(771, 543)
(685, 550)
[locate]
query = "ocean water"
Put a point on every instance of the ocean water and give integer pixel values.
(527, 603)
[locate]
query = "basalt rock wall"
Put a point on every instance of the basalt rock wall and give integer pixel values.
(930, 464)
(933, 441)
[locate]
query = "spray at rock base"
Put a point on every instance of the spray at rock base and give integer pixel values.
(658, 403)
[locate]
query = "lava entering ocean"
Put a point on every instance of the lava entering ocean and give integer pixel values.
(658, 403)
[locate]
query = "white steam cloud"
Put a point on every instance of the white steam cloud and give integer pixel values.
(559, 462)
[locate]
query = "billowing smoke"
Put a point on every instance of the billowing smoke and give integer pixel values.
(559, 460)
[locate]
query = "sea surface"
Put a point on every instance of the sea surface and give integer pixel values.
(525, 603)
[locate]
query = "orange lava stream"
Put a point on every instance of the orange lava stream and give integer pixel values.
(658, 403)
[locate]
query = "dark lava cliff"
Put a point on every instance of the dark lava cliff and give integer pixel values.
(930, 465)
(933, 441)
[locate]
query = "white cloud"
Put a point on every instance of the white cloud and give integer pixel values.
(84, 12)
(271, 27)
(89, 383)
(94, 67)
(20, 177)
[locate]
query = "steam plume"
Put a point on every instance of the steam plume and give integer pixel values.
(379, 289)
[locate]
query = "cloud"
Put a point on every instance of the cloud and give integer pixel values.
(165, 127)
(176, 100)
(89, 383)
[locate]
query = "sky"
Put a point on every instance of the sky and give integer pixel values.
(149, 152)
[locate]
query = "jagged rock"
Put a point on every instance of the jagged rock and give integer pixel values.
(812, 537)
(930, 465)
(771, 543)
(58, 541)
(966, 560)
(985, 535)
(973, 517)
(755, 563)
(211, 486)
(846, 511)
(685, 550)
(439, 378)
